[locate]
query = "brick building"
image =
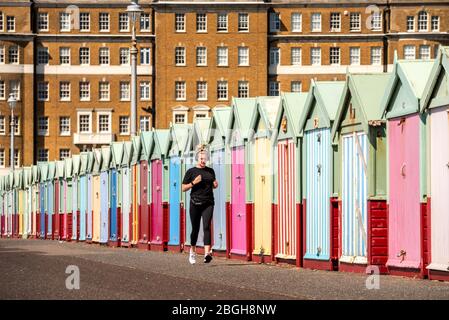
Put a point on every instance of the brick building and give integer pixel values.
(68, 61)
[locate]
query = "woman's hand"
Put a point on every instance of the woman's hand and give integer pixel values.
(197, 179)
(215, 184)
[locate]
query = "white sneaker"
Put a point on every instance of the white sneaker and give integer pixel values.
(192, 257)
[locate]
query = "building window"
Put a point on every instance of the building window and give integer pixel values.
(42, 21)
(145, 22)
(123, 22)
(376, 56)
(410, 23)
(274, 56)
(124, 56)
(14, 88)
(180, 25)
(243, 89)
(200, 114)
(104, 91)
(145, 90)
(42, 155)
(424, 52)
(64, 153)
(2, 158)
(1, 21)
(179, 117)
(335, 24)
(222, 56)
(104, 56)
(13, 54)
(84, 56)
(124, 125)
(42, 91)
(2, 125)
(376, 23)
(201, 22)
(103, 123)
(422, 21)
(354, 56)
(10, 24)
(222, 90)
(409, 52)
(145, 56)
(296, 86)
(84, 90)
(243, 22)
(2, 54)
(144, 123)
(124, 91)
(16, 157)
(64, 91)
(42, 56)
(42, 129)
(243, 56)
(180, 90)
(315, 56)
(201, 56)
(296, 56)
(84, 21)
(16, 125)
(335, 55)
(222, 22)
(104, 21)
(2, 90)
(64, 56)
(201, 90)
(64, 21)
(84, 123)
(435, 23)
(316, 22)
(180, 56)
(64, 126)
(354, 21)
(274, 88)
(296, 22)
(275, 22)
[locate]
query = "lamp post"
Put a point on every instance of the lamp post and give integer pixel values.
(12, 104)
(134, 12)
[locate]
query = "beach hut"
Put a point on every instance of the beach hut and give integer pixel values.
(83, 194)
(59, 193)
(18, 187)
(63, 201)
(35, 201)
(159, 191)
(126, 194)
(177, 143)
(287, 224)
(28, 202)
(96, 195)
(135, 189)
(408, 220)
(89, 219)
(262, 168)
(43, 169)
(216, 138)
(359, 134)
(435, 107)
(2, 206)
(198, 136)
(53, 224)
(105, 193)
(242, 200)
(73, 199)
(320, 208)
(115, 191)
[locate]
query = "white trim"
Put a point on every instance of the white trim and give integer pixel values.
(107, 113)
(17, 68)
(326, 69)
(180, 108)
(78, 114)
(79, 69)
(201, 108)
(178, 112)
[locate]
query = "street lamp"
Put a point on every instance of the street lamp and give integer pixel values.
(134, 12)
(12, 104)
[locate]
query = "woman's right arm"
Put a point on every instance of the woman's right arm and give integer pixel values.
(186, 187)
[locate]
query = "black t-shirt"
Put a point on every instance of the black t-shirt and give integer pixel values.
(202, 191)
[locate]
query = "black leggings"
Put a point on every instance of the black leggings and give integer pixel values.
(196, 212)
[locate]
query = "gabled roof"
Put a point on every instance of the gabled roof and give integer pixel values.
(90, 161)
(160, 138)
(326, 96)
(51, 170)
(68, 167)
(366, 90)
(147, 146)
(76, 164)
(292, 106)
(219, 122)
(242, 110)
(178, 138)
(97, 160)
(199, 134)
(18, 178)
(413, 75)
(60, 169)
(136, 149)
(441, 66)
(117, 153)
(28, 176)
(266, 109)
(106, 158)
(36, 173)
(84, 163)
(127, 153)
(43, 168)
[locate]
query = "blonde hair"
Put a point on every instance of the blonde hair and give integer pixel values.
(202, 147)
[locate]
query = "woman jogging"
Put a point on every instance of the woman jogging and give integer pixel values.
(201, 180)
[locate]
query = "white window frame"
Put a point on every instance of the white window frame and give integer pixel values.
(313, 54)
(243, 56)
(376, 22)
(180, 91)
(67, 132)
(13, 19)
(275, 22)
(274, 88)
(2, 125)
(180, 21)
(423, 18)
(104, 18)
(42, 155)
(107, 114)
(333, 55)
(242, 88)
(296, 60)
(335, 22)
(432, 23)
(42, 21)
(201, 87)
(354, 56)
(2, 54)
(296, 22)
(222, 56)
(200, 57)
(65, 21)
(410, 23)
(17, 54)
(275, 56)
(243, 26)
(295, 83)
(408, 55)
(2, 158)
(200, 23)
(12, 84)
(122, 55)
(101, 90)
(40, 124)
(222, 87)
(16, 125)
(124, 87)
(84, 113)
(355, 22)
(2, 90)
(145, 56)
(61, 84)
(2, 21)
(376, 56)
(428, 55)
(222, 22)
(102, 56)
(315, 22)
(60, 153)
(61, 56)
(123, 22)
(43, 91)
(121, 125)
(83, 56)
(145, 19)
(81, 90)
(147, 121)
(145, 87)
(43, 57)
(83, 15)
(180, 56)
(182, 111)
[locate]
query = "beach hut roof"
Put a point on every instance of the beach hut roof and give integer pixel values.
(160, 140)
(219, 122)
(106, 158)
(76, 165)
(266, 110)
(60, 169)
(68, 167)
(116, 153)
(127, 153)
(242, 110)
(146, 141)
(136, 149)
(292, 106)
(178, 138)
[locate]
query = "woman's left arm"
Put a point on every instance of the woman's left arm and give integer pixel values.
(215, 184)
